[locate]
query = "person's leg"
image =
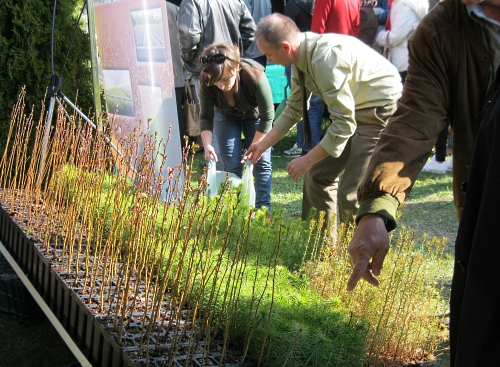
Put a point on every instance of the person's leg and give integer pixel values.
(315, 113)
(179, 96)
(440, 145)
(370, 123)
(320, 189)
(288, 74)
(438, 162)
(403, 75)
(300, 131)
(449, 150)
(228, 132)
(300, 136)
(262, 171)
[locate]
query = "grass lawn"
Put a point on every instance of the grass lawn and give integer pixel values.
(429, 210)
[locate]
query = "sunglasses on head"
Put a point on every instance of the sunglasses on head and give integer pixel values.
(217, 58)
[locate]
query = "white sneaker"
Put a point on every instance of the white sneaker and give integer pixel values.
(449, 166)
(293, 151)
(435, 166)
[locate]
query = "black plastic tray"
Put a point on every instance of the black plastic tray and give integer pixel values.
(87, 333)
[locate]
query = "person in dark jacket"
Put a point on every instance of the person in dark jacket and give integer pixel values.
(454, 39)
(301, 11)
(203, 22)
(278, 6)
(368, 25)
(475, 291)
(448, 42)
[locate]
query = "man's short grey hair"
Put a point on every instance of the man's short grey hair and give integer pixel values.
(275, 28)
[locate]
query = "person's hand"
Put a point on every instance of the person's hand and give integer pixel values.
(301, 165)
(210, 152)
(297, 167)
(254, 153)
(368, 247)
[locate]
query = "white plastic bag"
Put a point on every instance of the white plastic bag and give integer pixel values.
(248, 187)
(212, 179)
(216, 178)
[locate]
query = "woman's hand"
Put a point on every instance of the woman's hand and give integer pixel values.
(206, 137)
(210, 152)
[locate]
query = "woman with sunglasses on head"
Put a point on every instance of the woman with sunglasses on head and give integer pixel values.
(236, 99)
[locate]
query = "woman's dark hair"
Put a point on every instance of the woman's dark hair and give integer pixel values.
(215, 58)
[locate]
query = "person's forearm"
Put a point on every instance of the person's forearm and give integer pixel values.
(270, 139)
(206, 137)
(316, 154)
(258, 137)
(209, 151)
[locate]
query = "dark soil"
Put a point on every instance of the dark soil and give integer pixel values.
(33, 345)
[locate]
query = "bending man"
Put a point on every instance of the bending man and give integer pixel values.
(359, 87)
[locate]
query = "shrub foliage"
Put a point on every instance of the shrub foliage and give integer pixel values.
(25, 54)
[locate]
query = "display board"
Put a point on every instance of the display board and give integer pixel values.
(133, 67)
